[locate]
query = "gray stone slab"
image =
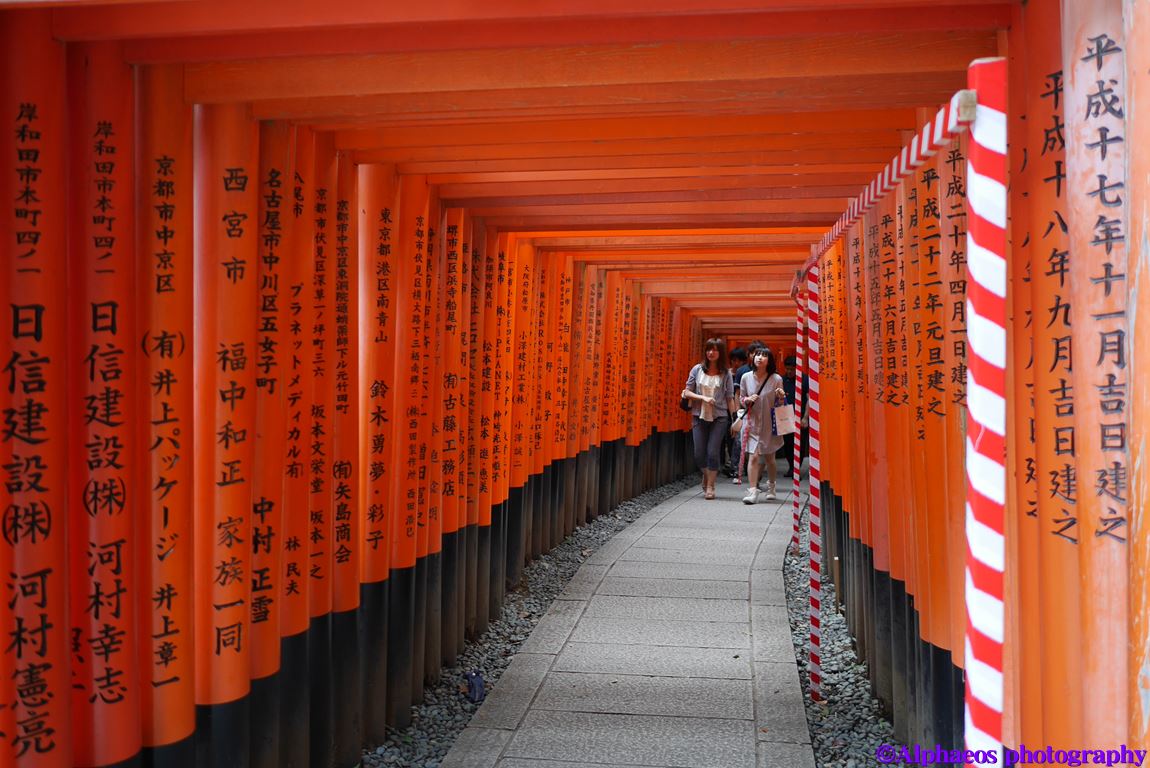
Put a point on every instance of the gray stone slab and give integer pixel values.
(748, 514)
(666, 661)
(676, 742)
(771, 632)
(584, 582)
(511, 696)
(782, 529)
(723, 590)
(780, 755)
(771, 555)
(780, 714)
(768, 588)
(749, 520)
(668, 608)
(688, 634)
(705, 533)
(646, 695)
(639, 570)
(554, 628)
(476, 748)
(652, 541)
(609, 552)
(688, 555)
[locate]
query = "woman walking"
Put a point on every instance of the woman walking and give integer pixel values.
(761, 383)
(711, 390)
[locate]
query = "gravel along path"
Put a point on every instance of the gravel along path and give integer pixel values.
(445, 711)
(846, 728)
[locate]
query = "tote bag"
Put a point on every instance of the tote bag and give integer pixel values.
(783, 419)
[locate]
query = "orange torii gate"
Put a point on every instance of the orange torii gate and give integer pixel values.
(291, 396)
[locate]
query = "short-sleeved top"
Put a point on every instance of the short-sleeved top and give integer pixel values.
(757, 425)
(721, 386)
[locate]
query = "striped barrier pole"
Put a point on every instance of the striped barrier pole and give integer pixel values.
(986, 407)
(816, 539)
(800, 367)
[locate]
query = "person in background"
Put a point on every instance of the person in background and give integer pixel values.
(761, 383)
(731, 443)
(712, 392)
(752, 348)
(789, 382)
(742, 370)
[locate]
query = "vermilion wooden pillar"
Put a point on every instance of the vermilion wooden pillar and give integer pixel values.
(427, 577)
(487, 446)
(409, 307)
(951, 164)
(226, 268)
(346, 471)
(1020, 525)
(888, 393)
(1096, 145)
(276, 168)
(1137, 30)
(1036, 239)
(320, 359)
(103, 502)
(165, 381)
(298, 268)
(451, 414)
(463, 392)
(563, 383)
(518, 506)
(33, 435)
(501, 421)
(378, 259)
(539, 530)
(1055, 559)
(475, 440)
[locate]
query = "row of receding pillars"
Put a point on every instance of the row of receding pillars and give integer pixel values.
(278, 430)
(895, 339)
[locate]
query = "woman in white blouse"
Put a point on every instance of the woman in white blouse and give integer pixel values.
(711, 388)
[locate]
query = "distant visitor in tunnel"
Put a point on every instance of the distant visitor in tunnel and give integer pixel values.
(732, 444)
(788, 449)
(711, 388)
(760, 443)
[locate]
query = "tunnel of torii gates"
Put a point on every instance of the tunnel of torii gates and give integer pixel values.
(320, 320)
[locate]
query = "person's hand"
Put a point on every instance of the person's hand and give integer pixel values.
(751, 400)
(710, 400)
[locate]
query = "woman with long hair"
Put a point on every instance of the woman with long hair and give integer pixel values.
(711, 388)
(761, 383)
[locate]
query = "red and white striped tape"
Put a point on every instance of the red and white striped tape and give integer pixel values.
(986, 406)
(816, 522)
(800, 352)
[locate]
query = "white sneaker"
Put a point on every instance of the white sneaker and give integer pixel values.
(752, 496)
(771, 491)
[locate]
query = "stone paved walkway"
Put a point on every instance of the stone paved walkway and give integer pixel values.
(670, 647)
